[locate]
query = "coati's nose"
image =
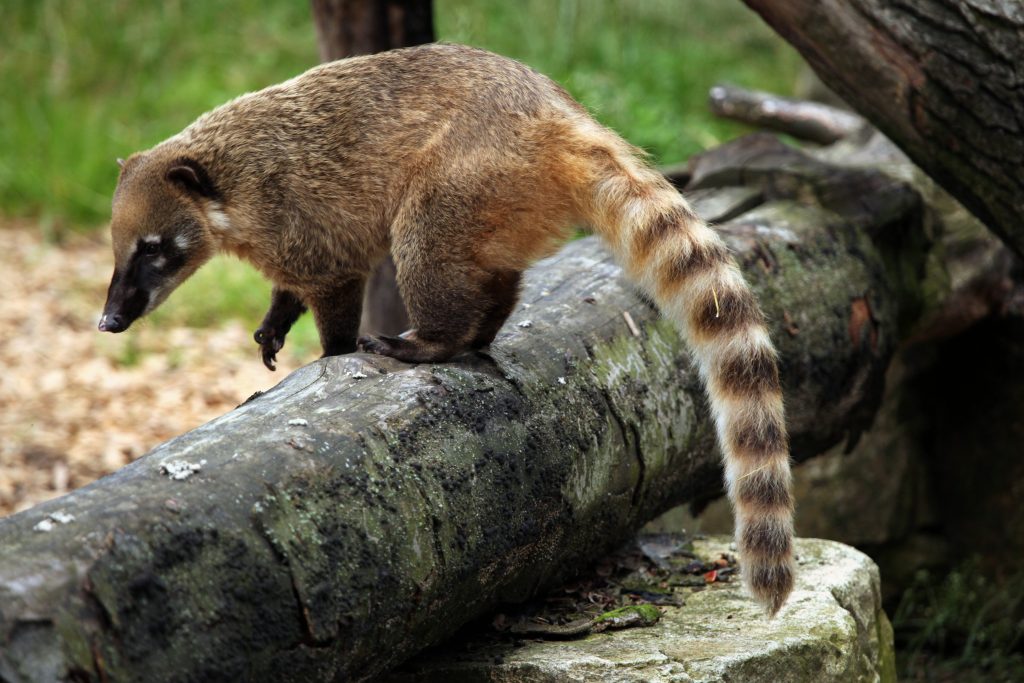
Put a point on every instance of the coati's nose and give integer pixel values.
(112, 322)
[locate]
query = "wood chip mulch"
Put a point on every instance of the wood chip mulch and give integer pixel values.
(76, 404)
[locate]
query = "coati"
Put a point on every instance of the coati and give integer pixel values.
(466, 167)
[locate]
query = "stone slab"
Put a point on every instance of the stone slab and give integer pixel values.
(832, 629)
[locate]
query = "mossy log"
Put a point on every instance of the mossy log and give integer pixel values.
(363, 509)
(941, 79)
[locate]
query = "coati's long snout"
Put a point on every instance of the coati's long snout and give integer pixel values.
(126, 302)
(155, 267)
(138, 286)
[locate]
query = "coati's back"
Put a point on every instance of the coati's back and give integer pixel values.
(468, 166)
(382, 110)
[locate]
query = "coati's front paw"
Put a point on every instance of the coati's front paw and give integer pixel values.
(270, 344)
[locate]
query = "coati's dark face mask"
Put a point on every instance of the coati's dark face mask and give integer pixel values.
(143, 283)
(159, 237)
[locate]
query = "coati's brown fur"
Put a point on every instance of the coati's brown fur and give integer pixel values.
(467, 166)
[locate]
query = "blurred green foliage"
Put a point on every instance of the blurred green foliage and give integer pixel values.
(82, 83)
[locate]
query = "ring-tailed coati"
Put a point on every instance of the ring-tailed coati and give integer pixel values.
(467, 166)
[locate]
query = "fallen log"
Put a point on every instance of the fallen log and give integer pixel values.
(812, 121)
(968, 273)
(364, 509)
(941, 79)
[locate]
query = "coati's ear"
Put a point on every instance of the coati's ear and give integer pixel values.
(191, 176)
(120, 162)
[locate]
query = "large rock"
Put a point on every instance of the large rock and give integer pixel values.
(832, 629)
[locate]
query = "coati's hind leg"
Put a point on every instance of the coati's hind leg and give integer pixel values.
(337, 310)
(452, 307)
(285, 309)
(503, 291)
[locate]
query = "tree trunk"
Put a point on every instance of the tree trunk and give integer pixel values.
(941, 79)
(364, 509)
(345, 28)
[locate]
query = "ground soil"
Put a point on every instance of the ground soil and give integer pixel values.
(76, 404)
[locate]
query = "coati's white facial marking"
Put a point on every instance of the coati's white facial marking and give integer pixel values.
(181, 242)
(218, 219)
(151, 239)
(160, 262)
(154, 299)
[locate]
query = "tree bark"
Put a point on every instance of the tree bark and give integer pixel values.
(364, 509)
(346, 28)
(941, 79)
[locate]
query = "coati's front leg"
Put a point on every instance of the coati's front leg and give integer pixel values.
(337, 311)
(285, 309)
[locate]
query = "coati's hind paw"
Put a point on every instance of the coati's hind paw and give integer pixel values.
(408, 348)
(382, 345)
(270, 344)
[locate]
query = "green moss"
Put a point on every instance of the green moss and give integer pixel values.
(800, 274)
(886, 649)
(75, 640)
(631, 615)
(665, 422)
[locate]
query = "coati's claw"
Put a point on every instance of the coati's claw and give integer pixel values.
(270, 344)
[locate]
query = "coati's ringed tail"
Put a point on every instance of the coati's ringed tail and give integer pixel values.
(688, 270)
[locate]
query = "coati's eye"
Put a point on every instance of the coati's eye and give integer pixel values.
(151, 248)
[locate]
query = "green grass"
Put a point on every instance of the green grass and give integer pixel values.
(643, 67)
(83, 83)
